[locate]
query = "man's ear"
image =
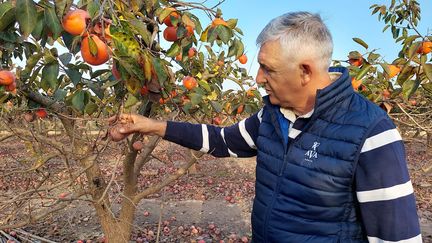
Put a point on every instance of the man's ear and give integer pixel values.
(306, 73)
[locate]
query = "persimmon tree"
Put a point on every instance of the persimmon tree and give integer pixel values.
(67, 66)
(402, 86)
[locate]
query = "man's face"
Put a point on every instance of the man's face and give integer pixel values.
(280, 75)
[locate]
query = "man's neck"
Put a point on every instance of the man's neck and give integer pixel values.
(309, 104)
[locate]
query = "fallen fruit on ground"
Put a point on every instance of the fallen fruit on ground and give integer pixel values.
(75, 21)
(63, 195)
(29, 117)
(94, 57)
(217, 120)
(41, 113)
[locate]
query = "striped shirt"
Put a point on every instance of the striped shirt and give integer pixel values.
(382, 184)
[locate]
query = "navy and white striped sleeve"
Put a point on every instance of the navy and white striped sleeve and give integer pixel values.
(384, 189)
(237, 140)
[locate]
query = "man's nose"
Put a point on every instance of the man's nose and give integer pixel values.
(260, 77)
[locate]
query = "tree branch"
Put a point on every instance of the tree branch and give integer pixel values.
(172, 177)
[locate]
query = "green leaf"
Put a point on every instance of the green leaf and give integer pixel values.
(109, 84)
(131, 100)
(74, 75)
(204, 84)
(97, 89)
(99, 72)
(216, 106)
(232, 50)
(61, 6)
(53, 23)
(427, 68)
(240, 49)
(7, 15)
(93, 8)
(31, 63)
(361, 42)
(26, 15)
(49, 76)
(141, 29)
(71, 42)
(406, 73)
(195, 20)
(232, 23)
(39, 26)
(90, 108)
(409, 87)
(195, 98)
(78, 100)
(363, 71)
(65, 58)
(372, 57)
(224, 33)
(35, 74)
(160, 70)
(173, 50)
(60, 94)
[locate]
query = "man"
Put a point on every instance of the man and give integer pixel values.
(330, 164)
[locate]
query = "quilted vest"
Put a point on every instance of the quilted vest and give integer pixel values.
(304, 188)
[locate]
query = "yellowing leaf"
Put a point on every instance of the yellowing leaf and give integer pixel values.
(204, 34)
(133, 85)
(212, 96)
(147, 67)
(187, 21)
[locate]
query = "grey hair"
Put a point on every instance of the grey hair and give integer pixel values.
(300, 33)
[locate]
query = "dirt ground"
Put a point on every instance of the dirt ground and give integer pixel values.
(212, 205)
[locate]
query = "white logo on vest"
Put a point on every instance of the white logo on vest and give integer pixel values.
(312, 154)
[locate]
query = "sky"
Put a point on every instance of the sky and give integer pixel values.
(345, 19)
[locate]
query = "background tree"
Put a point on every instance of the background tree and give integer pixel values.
(402, 86)
(153, 57)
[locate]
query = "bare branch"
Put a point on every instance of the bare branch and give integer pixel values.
(145, 153)
(172, 177)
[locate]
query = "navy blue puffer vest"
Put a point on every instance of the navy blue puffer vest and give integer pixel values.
(304, 189)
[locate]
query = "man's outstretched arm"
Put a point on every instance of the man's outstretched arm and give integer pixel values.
(237, 140)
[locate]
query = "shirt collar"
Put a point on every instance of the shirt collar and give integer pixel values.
(291, 116)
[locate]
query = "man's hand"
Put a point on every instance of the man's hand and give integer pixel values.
(132, 123)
